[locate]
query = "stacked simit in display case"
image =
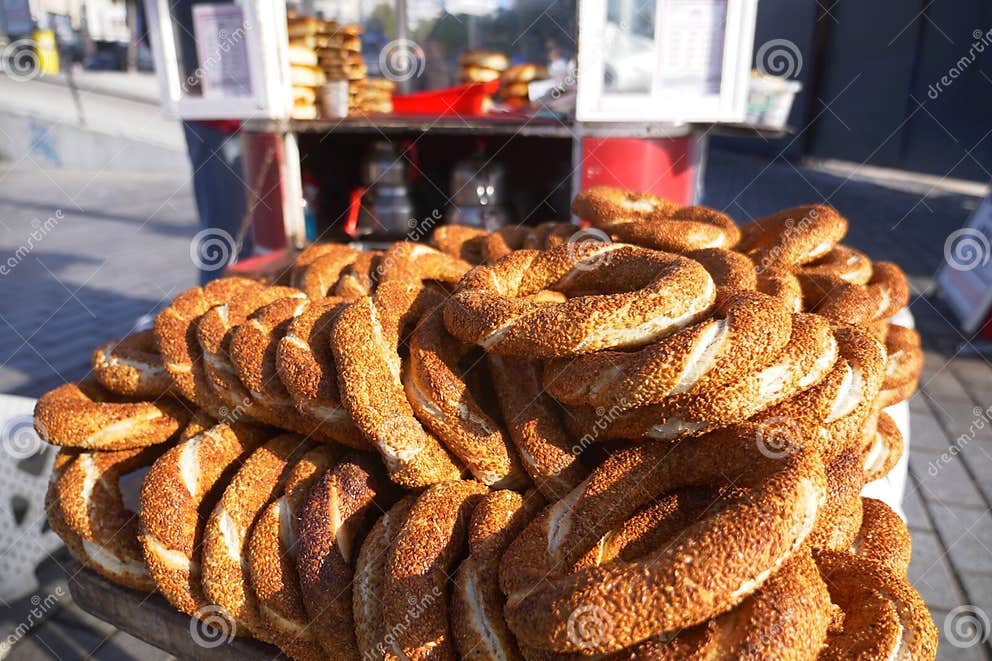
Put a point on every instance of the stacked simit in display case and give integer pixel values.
(643, 439)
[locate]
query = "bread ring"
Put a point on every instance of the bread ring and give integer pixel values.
(85, 415)
(904, 361)
(604, 204)
(370, 579)
(884, 617)
(730, 270)
(359, 278)
(175, 334)
(461, 242)
(792, 237)
(787, 618)
(683, 230)
(305, 364)
(747, 330)
(177, 496)
(424, 552)
(132, 367)
(784, 286)
(91, 505)
(657, 293)
(534, 422)
(226, 580)
(804, 361)
(477, 624)
(321, 275)
(214, 330)
(886, 293)
(660, 592)
(884, 450)
(503, 241)
(339, 510)
(832, 413)
(549, 234)
(253, 352)
(365, 342)
(272, 554)
(409, 263)
(839, 519)
(883, 536)
(844, 262)
(310, 255)
(445, 404)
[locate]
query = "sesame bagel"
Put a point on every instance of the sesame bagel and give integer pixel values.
(805, 360)
(305, 364)
(86, 415)
(214, 330)
(603, 204)
(272, 555)
(177, 495)
(660, 592)
(684, 230)
(883, 616)
(360, 277)
(792, 237)
(444, 403)
(338, 511)
(843, 262)
(477, 625)
(91, 505)
(461, 242)
(534, 422)
(745, 332)
(883, 449)
(253, 349)
(840, 517)
(132, 367)
(645, 295)
(175, 334)
(883, 536)
(410, 263)
(318, 268)
(882, 296)
(374, 641)
(226, 578)
(904, 361)
(424, 552)
(365, 341)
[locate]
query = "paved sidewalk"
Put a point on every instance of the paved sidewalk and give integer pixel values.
(121, 249)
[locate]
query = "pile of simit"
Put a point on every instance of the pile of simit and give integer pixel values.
(645, 439)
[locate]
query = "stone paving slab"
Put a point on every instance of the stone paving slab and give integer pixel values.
(121, 249)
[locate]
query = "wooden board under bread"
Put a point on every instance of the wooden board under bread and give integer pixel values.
(152, 619)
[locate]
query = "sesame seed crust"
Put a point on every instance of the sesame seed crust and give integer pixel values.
(132, 367)
(334, 518)
(172, 514)
(883, 536)
(86, 415)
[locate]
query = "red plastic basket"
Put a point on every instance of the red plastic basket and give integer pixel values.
(465, 99)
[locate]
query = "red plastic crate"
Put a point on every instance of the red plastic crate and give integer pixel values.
(465, 99)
